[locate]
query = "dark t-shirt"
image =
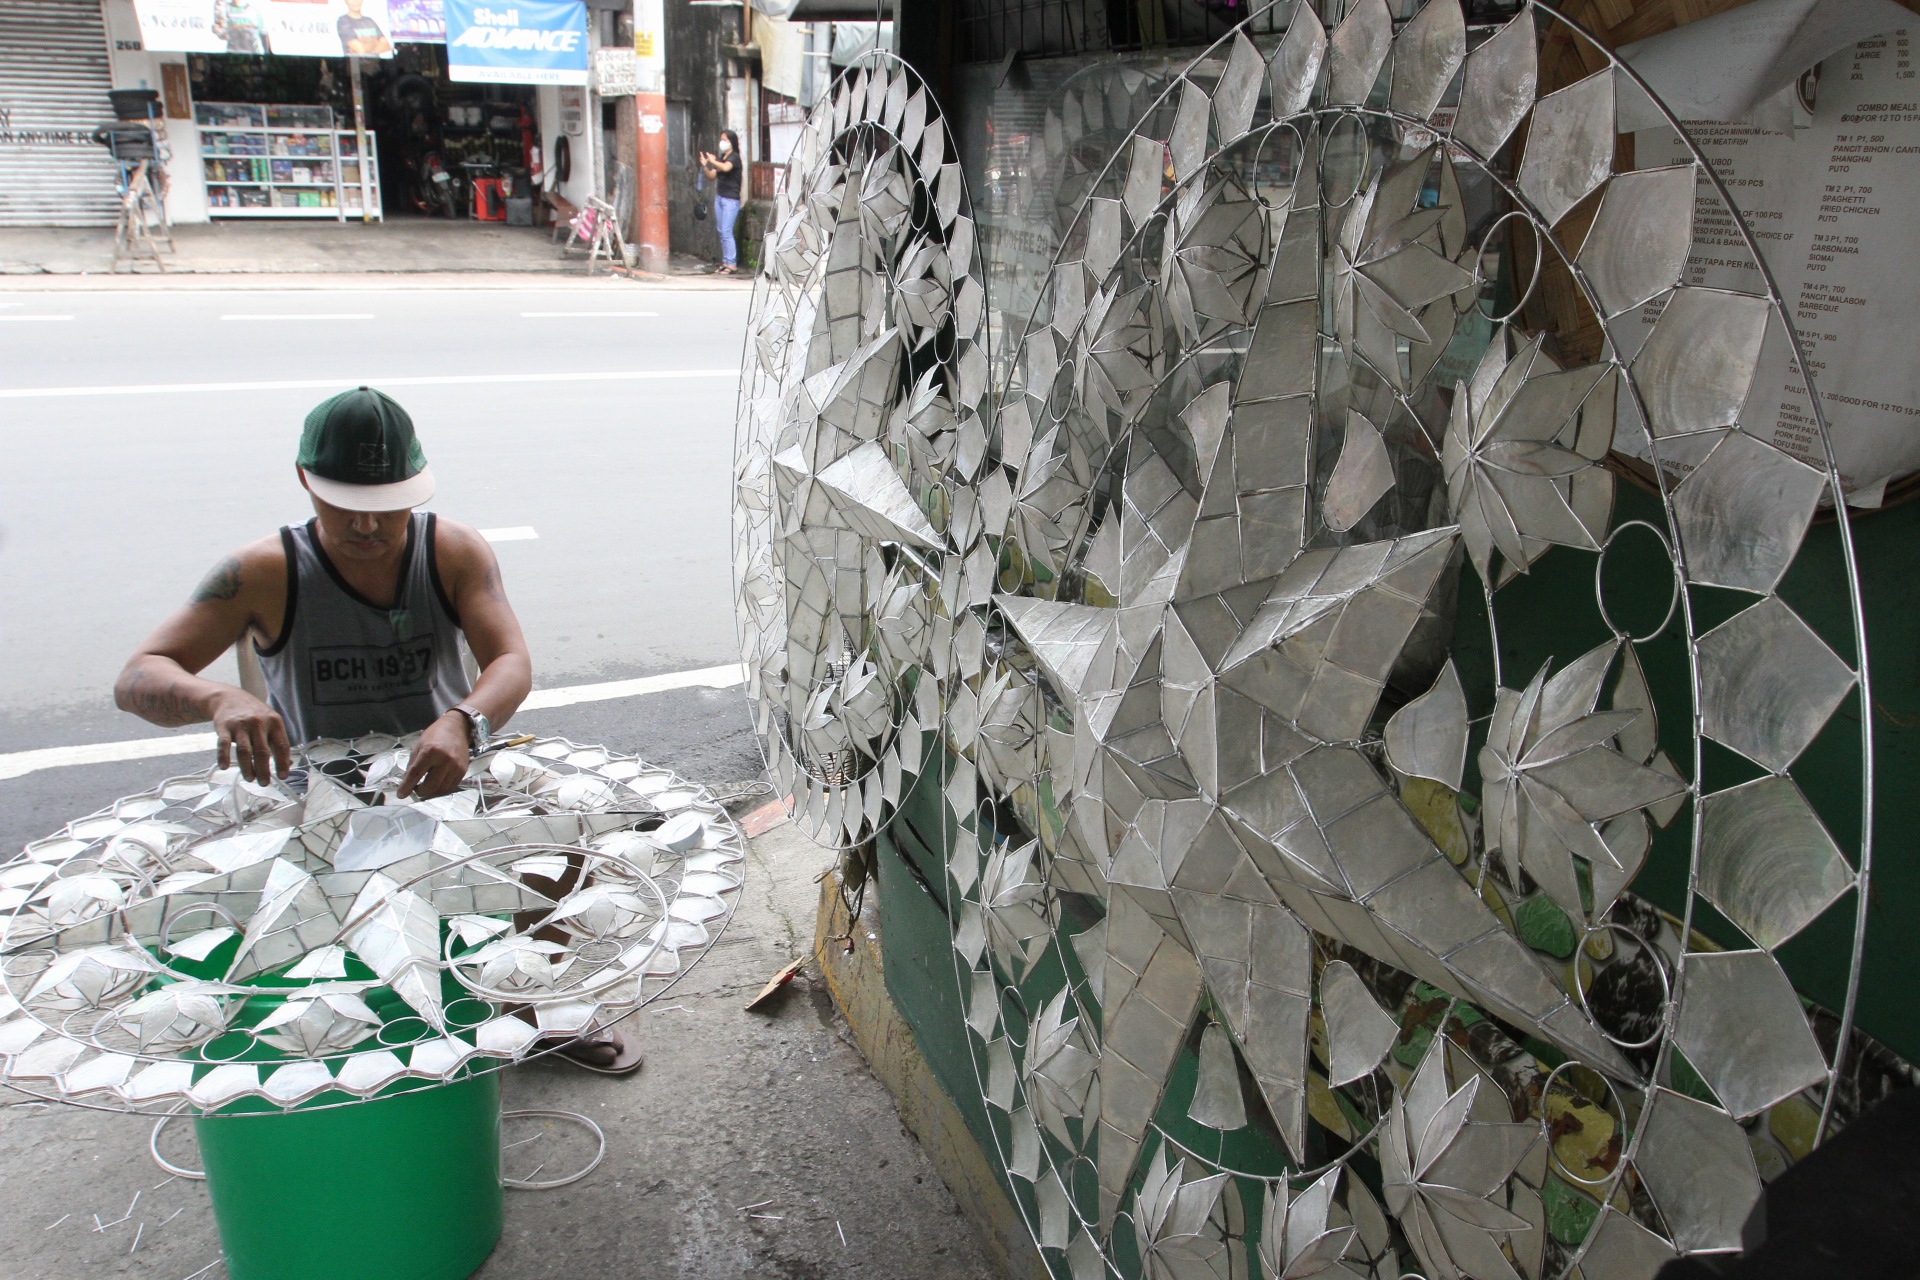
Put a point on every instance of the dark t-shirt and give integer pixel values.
(361, 28)
(726, 183)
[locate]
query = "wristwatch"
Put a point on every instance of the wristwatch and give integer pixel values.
(479, 731)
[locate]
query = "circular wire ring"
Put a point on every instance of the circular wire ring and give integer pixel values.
(1366, 159)
(1268, 133)
(101, 1016)
(211, 908)
(21, 964)
(1599, 596)
(458, 1023)
(75, 868)
(153, 1149)
(1546, 1088)
(1580, 988)
(1539, 255)
(252, 1042)
(527, 1184)
(380, 1032)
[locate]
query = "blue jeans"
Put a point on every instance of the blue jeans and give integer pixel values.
(725, 213)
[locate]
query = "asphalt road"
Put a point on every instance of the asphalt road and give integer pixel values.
(149, 432)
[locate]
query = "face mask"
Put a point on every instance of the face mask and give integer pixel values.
(725, 146)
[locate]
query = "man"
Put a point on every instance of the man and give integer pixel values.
(356, 618)
(241, 25)
(361, 36)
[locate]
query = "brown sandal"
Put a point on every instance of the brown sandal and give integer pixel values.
(611, 1052)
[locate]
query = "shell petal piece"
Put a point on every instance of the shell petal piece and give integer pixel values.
(1359, 1031)
(1427, 738)
(1499, 87)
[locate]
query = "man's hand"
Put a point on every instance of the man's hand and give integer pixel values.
(439, 759)
(251, 735)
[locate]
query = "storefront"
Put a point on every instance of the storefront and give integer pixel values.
(54, 78)
(461, 112)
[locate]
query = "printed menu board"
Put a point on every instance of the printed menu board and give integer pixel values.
(1834, 204)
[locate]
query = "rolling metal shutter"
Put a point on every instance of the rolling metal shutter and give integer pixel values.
(53, 93)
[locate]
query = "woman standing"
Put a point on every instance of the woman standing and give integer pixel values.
(723, 166)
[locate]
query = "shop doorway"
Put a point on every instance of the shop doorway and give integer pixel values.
(456, 151)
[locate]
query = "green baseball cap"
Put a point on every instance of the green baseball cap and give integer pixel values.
(358, 451)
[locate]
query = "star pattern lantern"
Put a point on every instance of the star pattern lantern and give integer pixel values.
(1193, 588)
(298, 936)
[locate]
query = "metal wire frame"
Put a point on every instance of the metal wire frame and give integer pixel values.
(473, 1066)
(936, 117)
(1677, 559)
(515, 1184)
(1863, 869)
(550, 1184)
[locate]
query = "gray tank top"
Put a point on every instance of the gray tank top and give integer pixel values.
(342, 665)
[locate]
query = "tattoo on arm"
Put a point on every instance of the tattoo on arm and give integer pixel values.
(152, 700)
(222, 583)
(491, 585)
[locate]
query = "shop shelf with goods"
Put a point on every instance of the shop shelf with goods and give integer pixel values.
(278, 161)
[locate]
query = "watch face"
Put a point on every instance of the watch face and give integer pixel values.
(479, 731)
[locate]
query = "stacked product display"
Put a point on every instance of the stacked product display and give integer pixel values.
(282, 162)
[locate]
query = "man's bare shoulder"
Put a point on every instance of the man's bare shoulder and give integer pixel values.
(467, 563)
(460, 546)
(259, 566)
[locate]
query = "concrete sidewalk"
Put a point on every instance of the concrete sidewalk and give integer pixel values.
(405, 245)
(776, 1110)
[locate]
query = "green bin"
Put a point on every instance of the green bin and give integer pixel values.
(406, 1187)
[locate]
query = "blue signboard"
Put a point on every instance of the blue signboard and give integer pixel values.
(517, 41)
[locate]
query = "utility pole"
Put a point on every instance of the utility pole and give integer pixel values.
(650, 105)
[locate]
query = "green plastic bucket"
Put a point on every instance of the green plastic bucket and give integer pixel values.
(406, 1187)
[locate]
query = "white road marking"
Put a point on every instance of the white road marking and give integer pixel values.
(705, 677)
(517, 533)
(315, 384)
(587, 315)
(297, 315)
(19, 318)
(19, 763)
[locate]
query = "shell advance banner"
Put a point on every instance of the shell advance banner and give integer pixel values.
(517, 41)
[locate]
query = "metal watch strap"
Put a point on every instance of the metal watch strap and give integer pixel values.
(479, 731)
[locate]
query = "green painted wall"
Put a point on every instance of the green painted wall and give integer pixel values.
(1550, 614)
